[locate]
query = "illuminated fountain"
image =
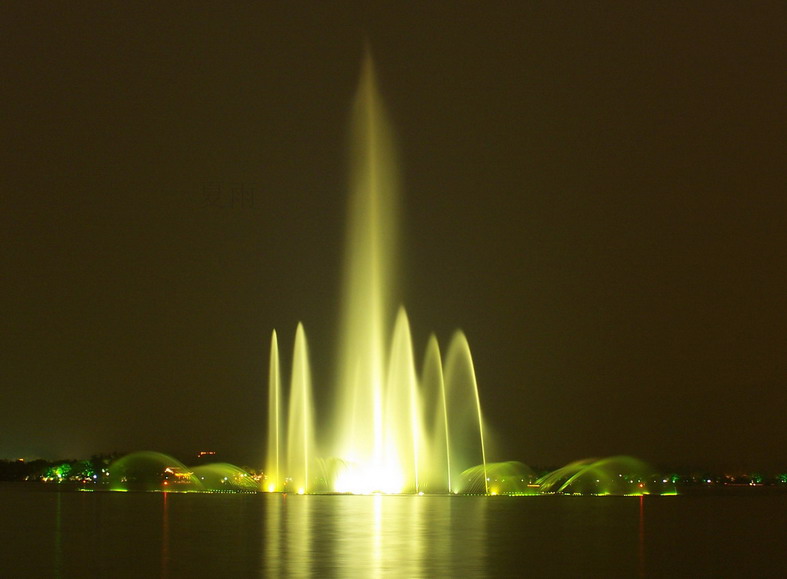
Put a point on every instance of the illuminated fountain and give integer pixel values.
(614, 475)
(393, 430)
(158, 472)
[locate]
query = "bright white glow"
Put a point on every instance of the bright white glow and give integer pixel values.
(360, 480)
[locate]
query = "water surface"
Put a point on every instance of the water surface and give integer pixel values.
(46, 533)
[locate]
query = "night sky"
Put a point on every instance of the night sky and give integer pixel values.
(594, 192)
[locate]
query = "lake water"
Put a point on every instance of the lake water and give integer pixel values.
(47, 533)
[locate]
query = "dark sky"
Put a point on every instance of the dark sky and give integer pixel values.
(594, 192)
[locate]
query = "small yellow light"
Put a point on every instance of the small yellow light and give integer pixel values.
(271, 488)
(300, 491)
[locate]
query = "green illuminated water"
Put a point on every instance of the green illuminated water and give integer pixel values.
(46, 533)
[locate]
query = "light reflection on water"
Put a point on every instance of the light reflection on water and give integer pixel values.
(67, 534)
(165, 535)
(58, 550)
(371, 536)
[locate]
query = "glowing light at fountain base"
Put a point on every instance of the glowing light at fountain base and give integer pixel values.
(360, 480)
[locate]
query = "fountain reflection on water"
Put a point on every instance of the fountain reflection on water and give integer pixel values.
(392, 431)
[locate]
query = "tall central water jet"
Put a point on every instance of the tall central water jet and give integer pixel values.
(390, 431)
(369, 281)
